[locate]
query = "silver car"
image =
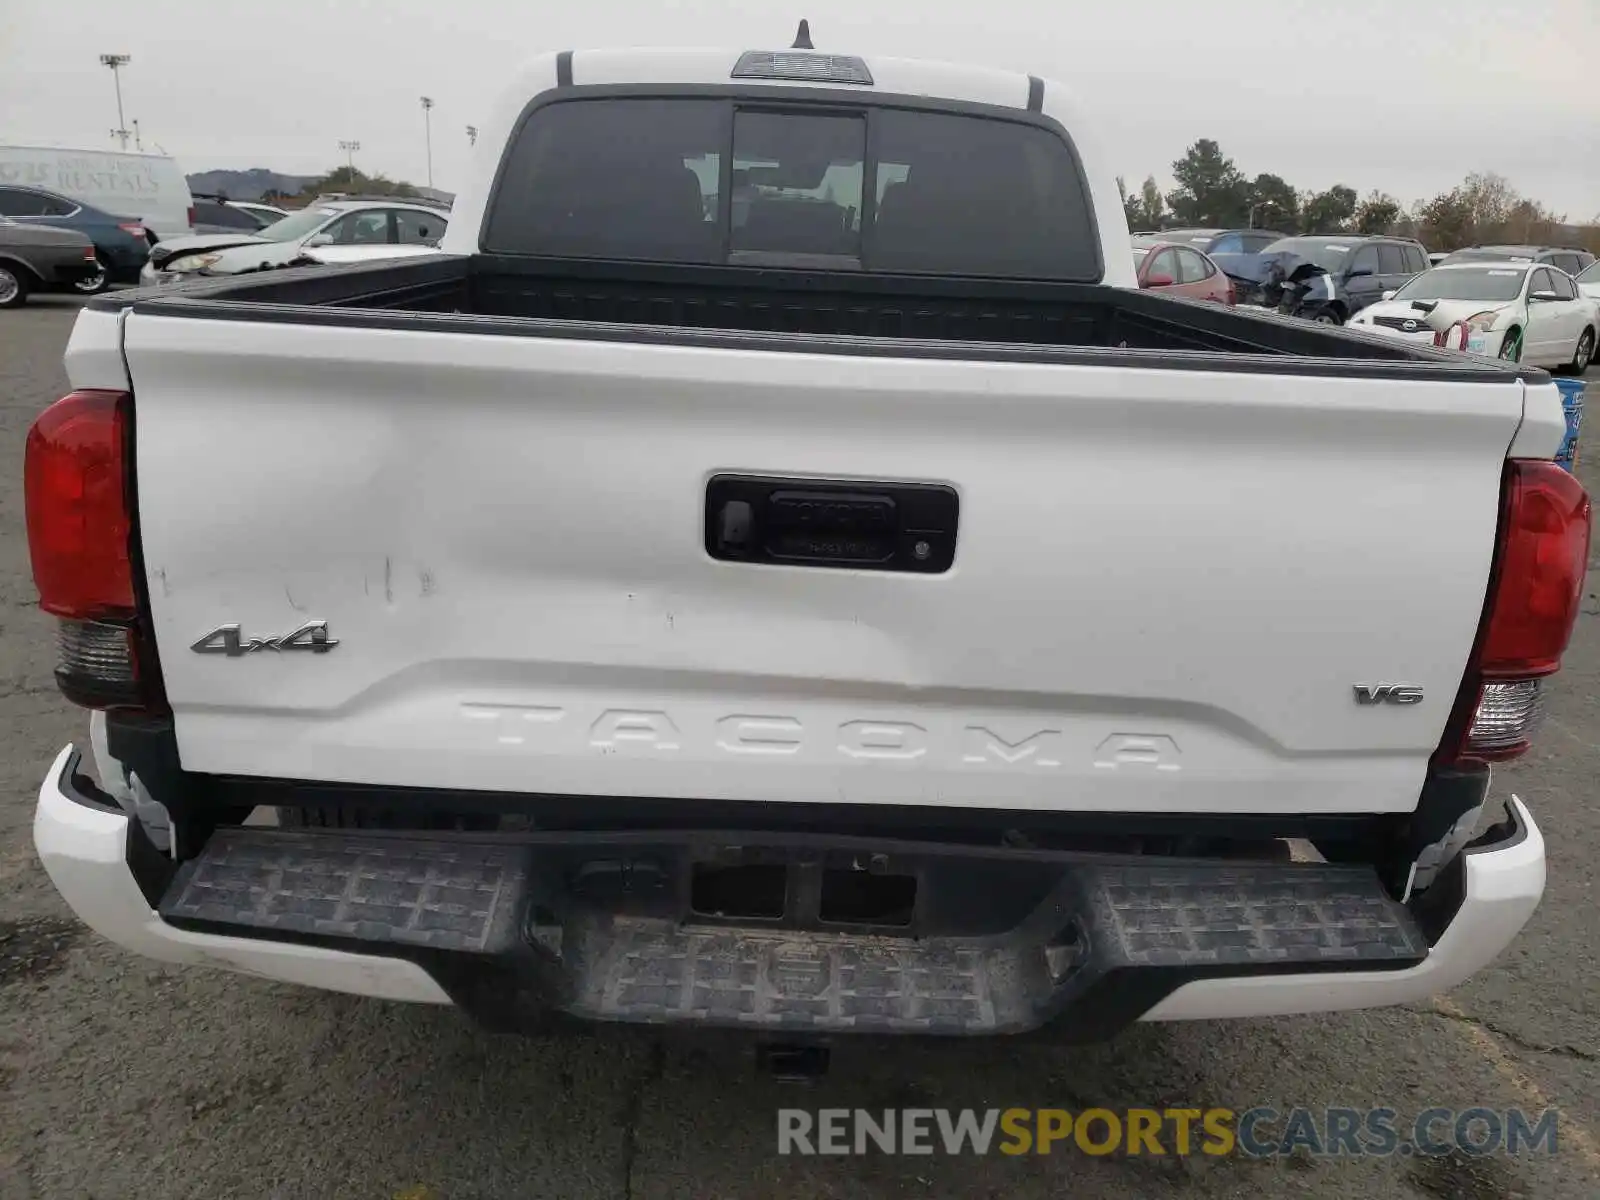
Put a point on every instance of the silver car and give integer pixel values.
(40, 258)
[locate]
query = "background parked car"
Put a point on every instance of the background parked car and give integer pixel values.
(1362, 268)
(1222, 241)
(37, 258)
(218, 214)
(1179, 270)
(1284, 281)
(121, 245)
(374, 223)
(1571, 259)
(1523, 312)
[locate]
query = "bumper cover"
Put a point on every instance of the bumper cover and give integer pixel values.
(84, 845)
(442, 920)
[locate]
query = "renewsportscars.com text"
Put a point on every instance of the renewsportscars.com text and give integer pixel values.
(1260, 1132)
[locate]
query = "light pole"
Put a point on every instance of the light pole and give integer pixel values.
(116, 62)
(472, 135)
(427, 132)
(350, 149)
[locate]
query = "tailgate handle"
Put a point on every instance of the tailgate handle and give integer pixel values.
(853, 524)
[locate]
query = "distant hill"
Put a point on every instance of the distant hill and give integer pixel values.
(248, 185)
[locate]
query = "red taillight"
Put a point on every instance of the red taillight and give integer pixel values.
(191, 216)
(76, 493)
(1534, 593)
(132, 227)
(76, 487)
(1544, 554)
(88, 254)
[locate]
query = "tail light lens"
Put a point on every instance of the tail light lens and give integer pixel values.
(1544, 554)
(77, 490)
(131, 227)
(191, 216)
(1534, 592)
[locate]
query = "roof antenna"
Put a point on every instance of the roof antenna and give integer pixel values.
(802, 40)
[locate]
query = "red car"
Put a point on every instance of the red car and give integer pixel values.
(1180, 270)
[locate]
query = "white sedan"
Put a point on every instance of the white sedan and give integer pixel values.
(1524, 312)
(372, 228)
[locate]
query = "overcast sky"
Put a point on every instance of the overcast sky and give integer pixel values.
(1372, 93)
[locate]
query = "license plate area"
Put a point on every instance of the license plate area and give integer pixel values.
(859, 525)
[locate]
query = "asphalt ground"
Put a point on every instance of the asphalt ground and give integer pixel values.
(121, 1078)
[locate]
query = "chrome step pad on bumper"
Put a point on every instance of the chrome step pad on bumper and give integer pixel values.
(1111, 941)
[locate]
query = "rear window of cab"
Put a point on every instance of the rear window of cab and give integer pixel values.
(730, 181)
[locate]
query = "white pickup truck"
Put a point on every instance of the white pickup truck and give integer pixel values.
(774, 570)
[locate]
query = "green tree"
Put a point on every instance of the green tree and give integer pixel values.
(1491, 199)
(1273, 204)
(1330, 211)
(340, 179)
(1530, 221)
(1152, 208)
(1485, 208)
(349, 179)
(1446, 221)
(1130, 204)
(1147, 210)
(394, 187)
(1378, 213)
(1211, 190)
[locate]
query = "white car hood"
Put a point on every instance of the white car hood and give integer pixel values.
(1445, 314)
(172, 249)
(255, 254)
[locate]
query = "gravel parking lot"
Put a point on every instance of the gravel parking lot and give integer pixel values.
(123, 1079)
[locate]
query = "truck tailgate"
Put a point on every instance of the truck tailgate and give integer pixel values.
(1166, 585)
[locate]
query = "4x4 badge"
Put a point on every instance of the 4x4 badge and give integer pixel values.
(226, 639)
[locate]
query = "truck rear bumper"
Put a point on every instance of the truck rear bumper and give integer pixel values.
(1502, 881)
(232, 908)
(84, 845)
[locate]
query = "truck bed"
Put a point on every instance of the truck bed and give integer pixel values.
(818, 312)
